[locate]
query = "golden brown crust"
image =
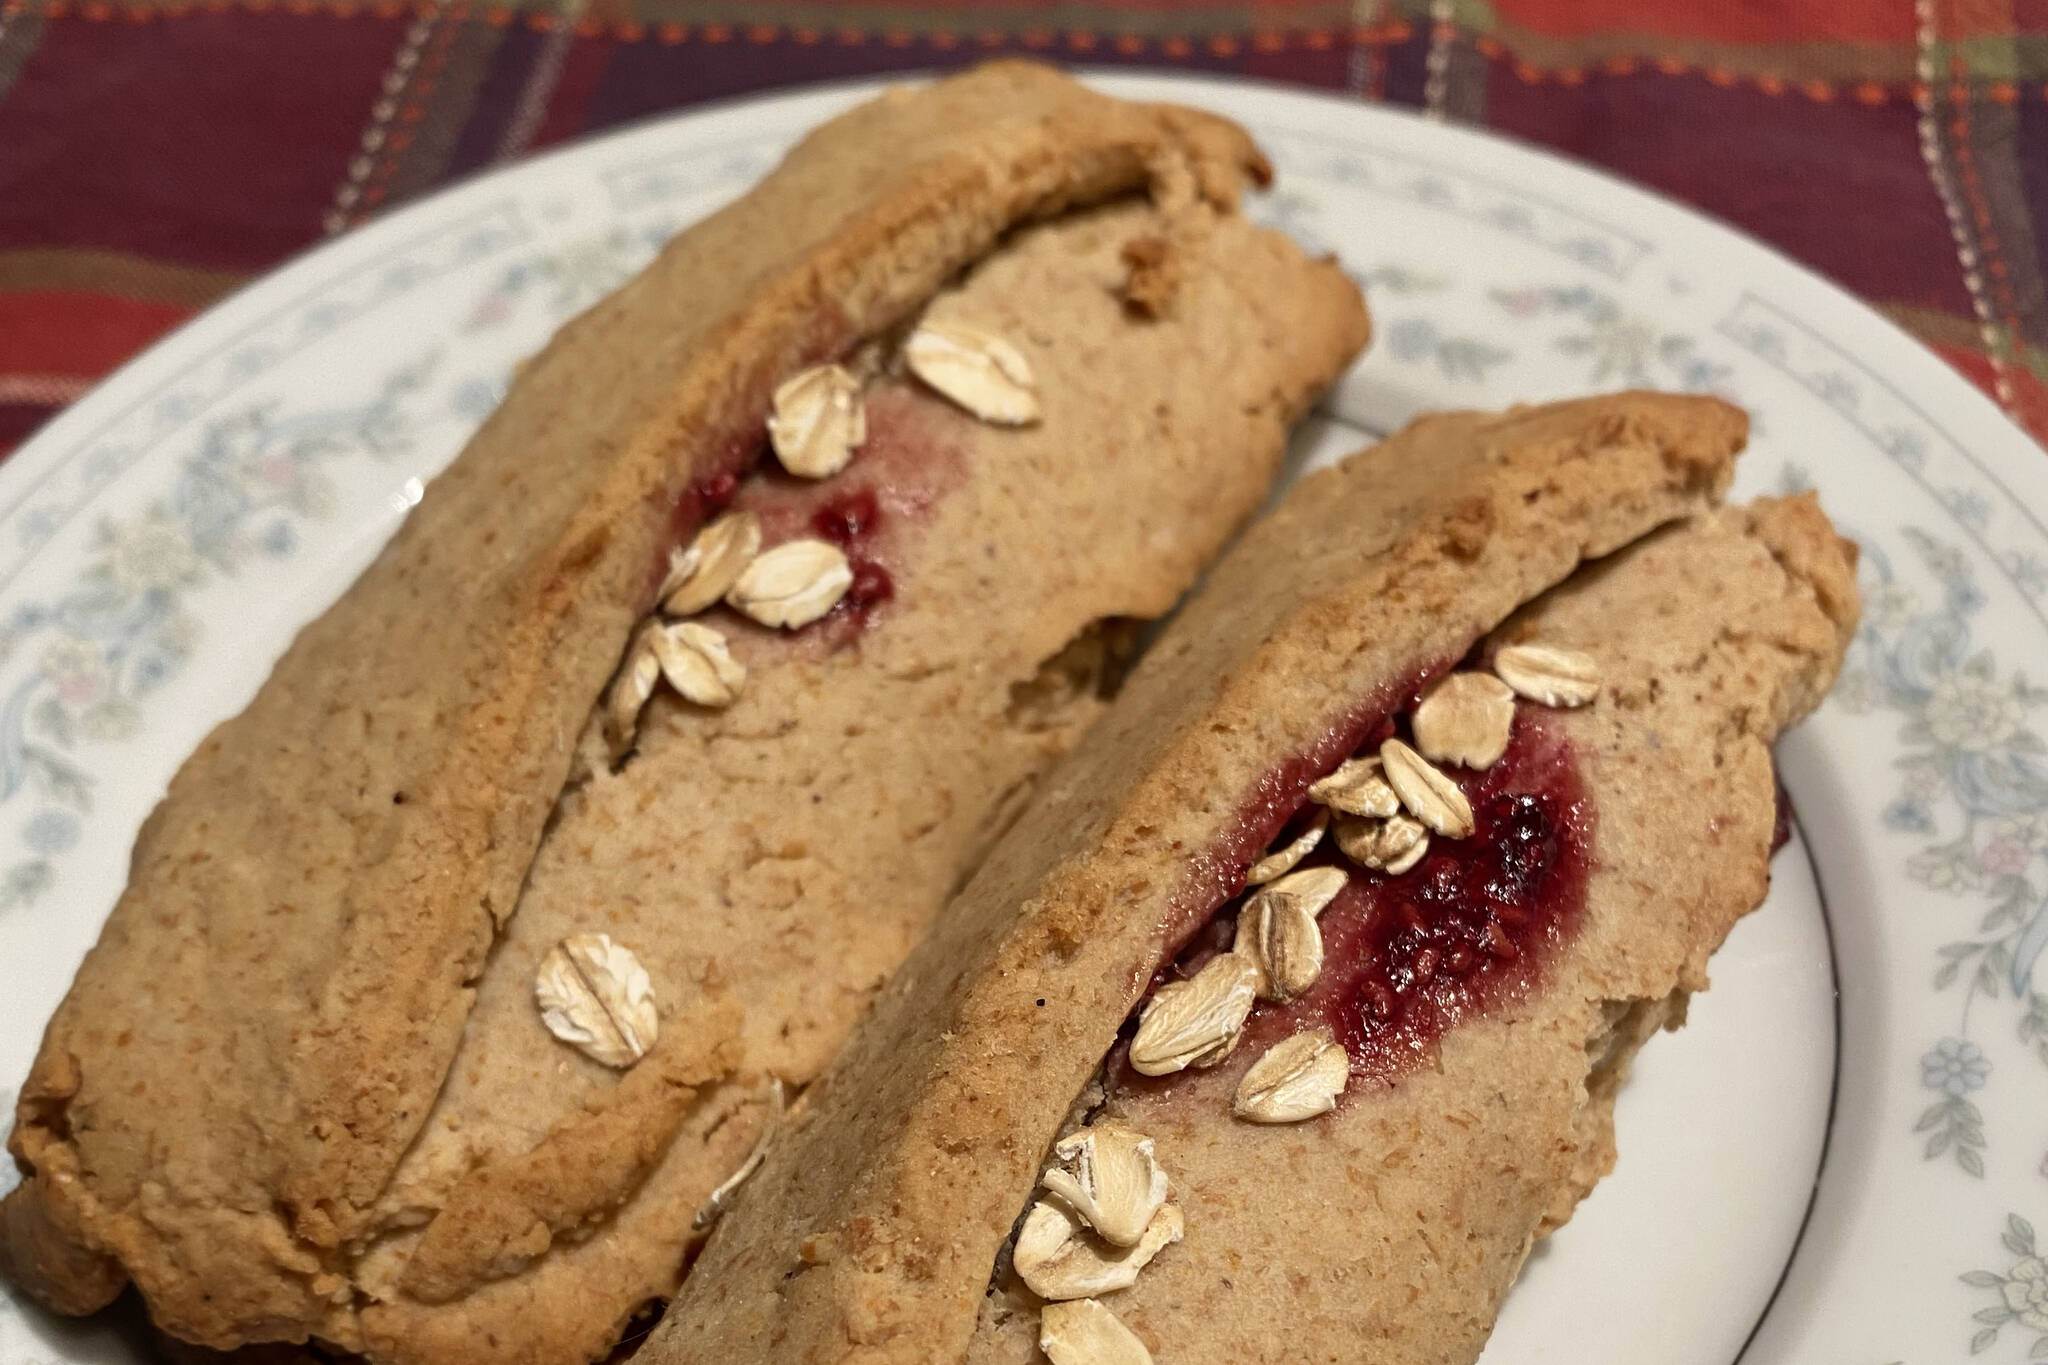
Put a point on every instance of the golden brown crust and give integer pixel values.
(501, 1216)
(793, 845)
(264, 1024)
(42, 1258)
(1403, 1218)
(870, 1232)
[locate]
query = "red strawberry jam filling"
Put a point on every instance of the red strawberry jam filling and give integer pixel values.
(739, 448)
(1406, 957)
(898, 473)
(1275, 811)
(849, 520)
(906, 464)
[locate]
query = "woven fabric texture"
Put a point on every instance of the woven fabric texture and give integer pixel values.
(154, 154)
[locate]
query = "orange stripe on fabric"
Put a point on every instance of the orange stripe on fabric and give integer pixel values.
(43, 390)
(1750, 24)
(65, 331)
(117, 274)
(1968, 19)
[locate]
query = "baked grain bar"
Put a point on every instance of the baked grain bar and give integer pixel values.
(301, 1087)
(877, 1224)
(1487, 1003)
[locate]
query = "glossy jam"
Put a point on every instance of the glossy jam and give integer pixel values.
(1405, 958)
(868, 509)
(692, 507)
(1277, 803)
(850, 519)
(714, 493)
(871, 587)
(896, 475)
(729, 454)
(847, 517)
(1477, 920)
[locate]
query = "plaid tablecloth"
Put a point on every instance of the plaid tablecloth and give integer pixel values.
(154, 154)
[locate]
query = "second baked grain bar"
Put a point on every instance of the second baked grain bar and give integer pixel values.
(874, 1227)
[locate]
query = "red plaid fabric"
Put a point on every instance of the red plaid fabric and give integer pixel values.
(156, 153)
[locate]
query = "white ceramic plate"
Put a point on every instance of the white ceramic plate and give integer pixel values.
(1836, 1160)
